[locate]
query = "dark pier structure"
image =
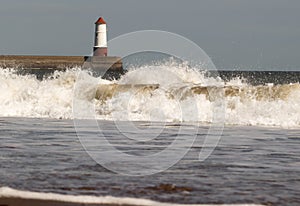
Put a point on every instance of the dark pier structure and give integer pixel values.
(43, 66)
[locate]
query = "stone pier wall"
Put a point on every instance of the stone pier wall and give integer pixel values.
(41, 66)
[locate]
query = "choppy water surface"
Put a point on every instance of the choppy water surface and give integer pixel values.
(249, 165)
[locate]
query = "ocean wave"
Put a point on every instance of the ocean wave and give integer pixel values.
(166, 92)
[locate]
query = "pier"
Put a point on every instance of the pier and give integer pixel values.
(43, 66)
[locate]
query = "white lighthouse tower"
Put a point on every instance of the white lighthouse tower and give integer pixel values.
(100, 46)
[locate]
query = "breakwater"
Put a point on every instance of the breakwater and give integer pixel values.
(111, 67)
(42, 66)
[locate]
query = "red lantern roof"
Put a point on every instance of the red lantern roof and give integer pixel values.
(100, 21)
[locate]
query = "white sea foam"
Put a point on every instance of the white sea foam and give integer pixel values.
(178, 97)
(6, 192)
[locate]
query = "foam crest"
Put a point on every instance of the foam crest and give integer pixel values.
(40, 198)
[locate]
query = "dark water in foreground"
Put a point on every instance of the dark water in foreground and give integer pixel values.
(250, 165)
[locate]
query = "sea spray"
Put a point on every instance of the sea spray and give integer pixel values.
(25, 96)
(179, 87)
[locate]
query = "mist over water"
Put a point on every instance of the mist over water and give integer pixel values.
(179, 86)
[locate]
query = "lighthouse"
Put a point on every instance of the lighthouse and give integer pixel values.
(100, 46)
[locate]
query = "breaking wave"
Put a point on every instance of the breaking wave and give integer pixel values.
(150, 93)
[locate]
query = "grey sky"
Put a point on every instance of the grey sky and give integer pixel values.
(240, 34)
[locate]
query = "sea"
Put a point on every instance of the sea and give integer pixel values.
(188, 138)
